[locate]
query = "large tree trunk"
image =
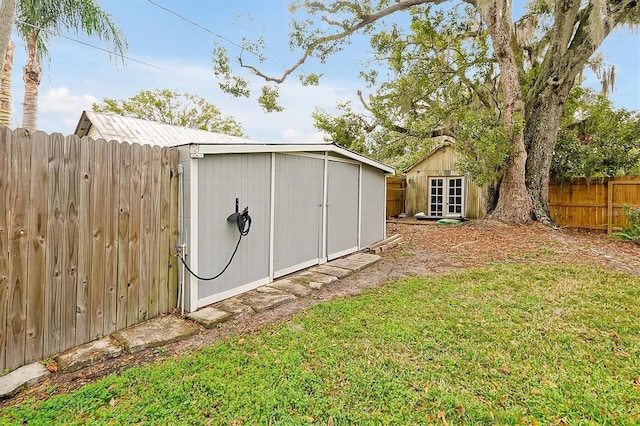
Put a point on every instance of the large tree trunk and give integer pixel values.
(5, 86)
(541, 133)
(514, 202)
(32, 74)
(575, 37)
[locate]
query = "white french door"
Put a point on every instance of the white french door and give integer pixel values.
(446, 196)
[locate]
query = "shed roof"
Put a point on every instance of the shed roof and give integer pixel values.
(447, 141)
(112, 126)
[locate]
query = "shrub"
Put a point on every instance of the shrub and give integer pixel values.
(630, 232)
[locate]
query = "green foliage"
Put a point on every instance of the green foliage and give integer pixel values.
(631, 232)
(312, 79)
(484, 145)
(440, 79)
(348, 129)
(359, 132)
(596, 140)
(269, 99)
(507, 344)
(170, 107)
(77, 16)
(227, 81)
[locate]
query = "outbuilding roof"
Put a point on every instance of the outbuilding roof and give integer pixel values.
(110, 126)
(445, 142)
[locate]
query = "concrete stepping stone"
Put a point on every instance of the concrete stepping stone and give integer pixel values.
(289, 286)
(355, 262)
(235, 307)
(331, 270)
(263, 299)
(209, 317)
(155, 332)
(88, 354)
(21, 378)
(314, 280)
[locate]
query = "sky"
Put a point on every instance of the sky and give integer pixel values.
(177, 55)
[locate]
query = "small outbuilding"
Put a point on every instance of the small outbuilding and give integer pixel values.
(435, 187)
(308, 203)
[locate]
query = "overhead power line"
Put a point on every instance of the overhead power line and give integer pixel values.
(196, 24)
(221, 37)
(75, 40)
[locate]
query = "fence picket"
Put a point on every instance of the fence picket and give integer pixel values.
(111, 237)
(5, 261)
(71, 240)
(54, 292)
(20, 172)
(153, 230)
(163, 249)
(124, 201)
(174, 158)
(85, 241)
(98, 210)
(134, 268)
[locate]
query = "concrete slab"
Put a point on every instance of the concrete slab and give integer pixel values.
(262, 301)
(331, 270)
(155, 332)
(209, 317)
(267, 289)
(314, 280)
(17, 380)
(88, 354)
(289, 286)
(234, 306)
(355, 262)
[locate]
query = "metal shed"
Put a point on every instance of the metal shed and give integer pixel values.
(308, 203)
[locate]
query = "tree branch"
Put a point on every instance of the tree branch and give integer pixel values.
(361, 22)
(282, 78)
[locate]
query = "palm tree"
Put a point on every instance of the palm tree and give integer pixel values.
(5, 86)
(7, 12)
(40, 19)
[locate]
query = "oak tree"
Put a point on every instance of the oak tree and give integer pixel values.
(547, 49)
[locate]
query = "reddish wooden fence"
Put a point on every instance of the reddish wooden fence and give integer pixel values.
(593, 205)
(396, 193)
(86, 235)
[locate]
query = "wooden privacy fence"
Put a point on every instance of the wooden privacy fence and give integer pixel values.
(86, 235)
(593, 205)
(396, 193)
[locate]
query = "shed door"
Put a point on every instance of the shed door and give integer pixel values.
(299, 183)
(446, 196)
(342, 208)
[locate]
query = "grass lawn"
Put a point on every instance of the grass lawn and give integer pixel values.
(507, 344)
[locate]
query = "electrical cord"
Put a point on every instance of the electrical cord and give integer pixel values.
(221, 272)
(243, 222)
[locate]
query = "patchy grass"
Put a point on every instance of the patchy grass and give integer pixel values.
(498, 345)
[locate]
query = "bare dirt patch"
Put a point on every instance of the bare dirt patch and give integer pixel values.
(426, 249)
